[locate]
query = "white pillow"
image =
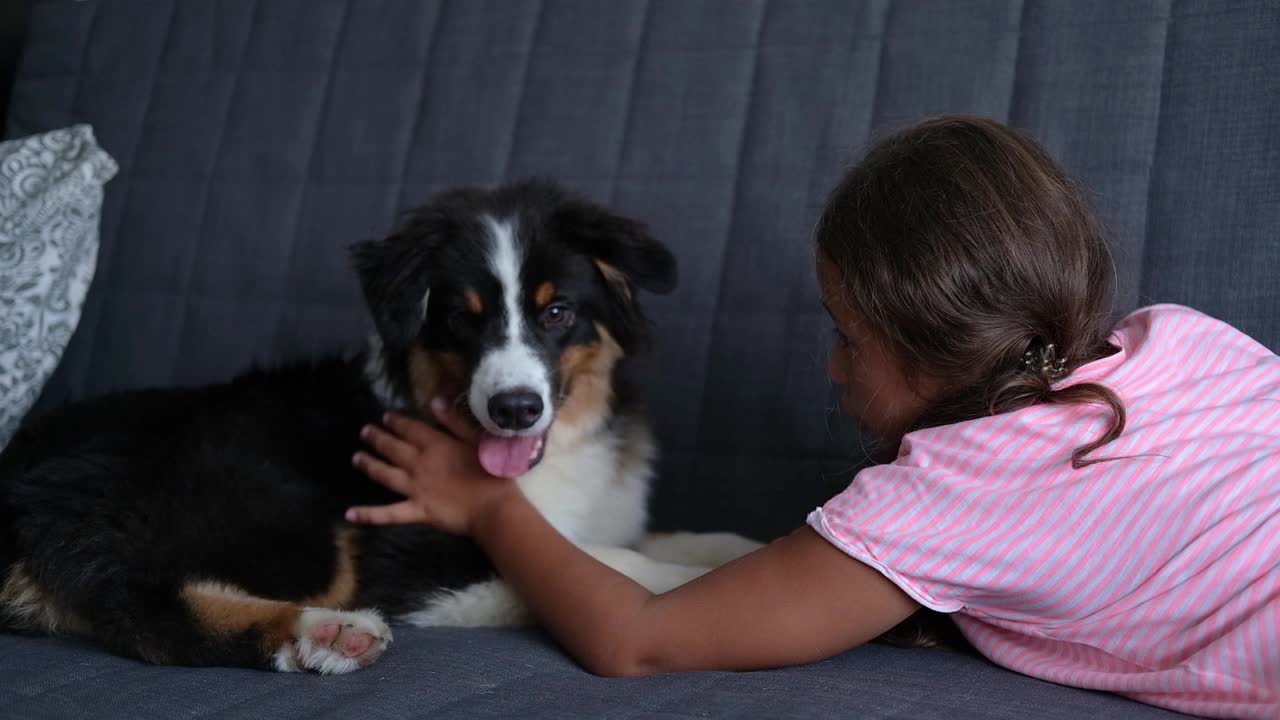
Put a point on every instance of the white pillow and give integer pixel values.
(50, 201)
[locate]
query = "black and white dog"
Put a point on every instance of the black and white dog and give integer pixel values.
(203, 526)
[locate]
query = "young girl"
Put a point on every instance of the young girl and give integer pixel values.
(1097, 506)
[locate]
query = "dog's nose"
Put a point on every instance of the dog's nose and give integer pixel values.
(516, 409)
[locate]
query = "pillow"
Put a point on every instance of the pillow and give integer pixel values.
(50, 201)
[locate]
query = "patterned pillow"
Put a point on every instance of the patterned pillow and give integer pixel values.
(50, 199)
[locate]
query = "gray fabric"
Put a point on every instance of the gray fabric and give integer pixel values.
(50, 200)
(258, 139)
(443, 674)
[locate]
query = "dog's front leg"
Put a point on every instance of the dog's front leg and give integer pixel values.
(708, 550)
(655, 575)
(492, 603)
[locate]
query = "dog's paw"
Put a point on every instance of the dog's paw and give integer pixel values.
(697, 549)
(333, 642)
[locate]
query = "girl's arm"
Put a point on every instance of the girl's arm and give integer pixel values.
(795, 601)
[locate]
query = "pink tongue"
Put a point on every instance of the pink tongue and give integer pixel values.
(507, 457)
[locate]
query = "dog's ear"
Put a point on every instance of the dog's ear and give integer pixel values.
(395, 275)
(626, 253)
(626, 256)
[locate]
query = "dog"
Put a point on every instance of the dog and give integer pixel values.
(204, 526)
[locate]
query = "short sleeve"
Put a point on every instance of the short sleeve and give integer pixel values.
(956, 530)
(886, 520)
(853, 546)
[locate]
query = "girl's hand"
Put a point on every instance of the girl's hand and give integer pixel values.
(438, 472)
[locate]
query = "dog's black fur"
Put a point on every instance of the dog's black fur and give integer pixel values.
(108, 506)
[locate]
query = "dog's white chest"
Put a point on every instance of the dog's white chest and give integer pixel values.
(595, 492)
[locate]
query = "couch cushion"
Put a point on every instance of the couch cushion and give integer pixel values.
(511, 674)
(258, 139)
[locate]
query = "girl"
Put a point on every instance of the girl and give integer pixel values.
(1096, 506)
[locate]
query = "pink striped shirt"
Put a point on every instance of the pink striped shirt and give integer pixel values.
(1156, 576)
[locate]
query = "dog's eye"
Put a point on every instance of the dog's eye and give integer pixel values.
(556, 316)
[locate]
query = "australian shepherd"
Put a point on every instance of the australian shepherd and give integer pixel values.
(204, 526)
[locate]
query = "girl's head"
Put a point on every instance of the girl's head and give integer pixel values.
(965, 273)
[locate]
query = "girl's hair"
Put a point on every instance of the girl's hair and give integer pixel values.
(978, 262)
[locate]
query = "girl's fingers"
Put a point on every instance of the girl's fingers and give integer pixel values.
(452, 420)
(416, 432)
(401, 513)
(389, 476)
(399, 452)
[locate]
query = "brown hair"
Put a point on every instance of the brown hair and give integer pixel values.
(977, 262)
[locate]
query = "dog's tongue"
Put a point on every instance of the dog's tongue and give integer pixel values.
(507, 457)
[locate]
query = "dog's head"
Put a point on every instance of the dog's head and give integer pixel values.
(518, 302)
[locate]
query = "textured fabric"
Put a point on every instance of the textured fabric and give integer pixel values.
(989, 519)
(258, 139)
(476, 673)
(50, 200)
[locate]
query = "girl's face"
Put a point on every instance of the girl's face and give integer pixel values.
(876, 390)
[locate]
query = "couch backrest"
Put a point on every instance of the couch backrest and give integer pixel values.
(257, 139)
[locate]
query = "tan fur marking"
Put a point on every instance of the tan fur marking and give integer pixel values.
(474, 304)
(546, 291)
(615, 278)
(587, 370)
(341, 594)
(430, 372)
(226, 610)
(23, 603)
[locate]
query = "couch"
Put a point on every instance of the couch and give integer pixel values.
(257, 139)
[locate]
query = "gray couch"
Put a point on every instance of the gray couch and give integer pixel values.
(257, 139)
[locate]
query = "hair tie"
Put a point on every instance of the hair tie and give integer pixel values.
(1045, 362)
